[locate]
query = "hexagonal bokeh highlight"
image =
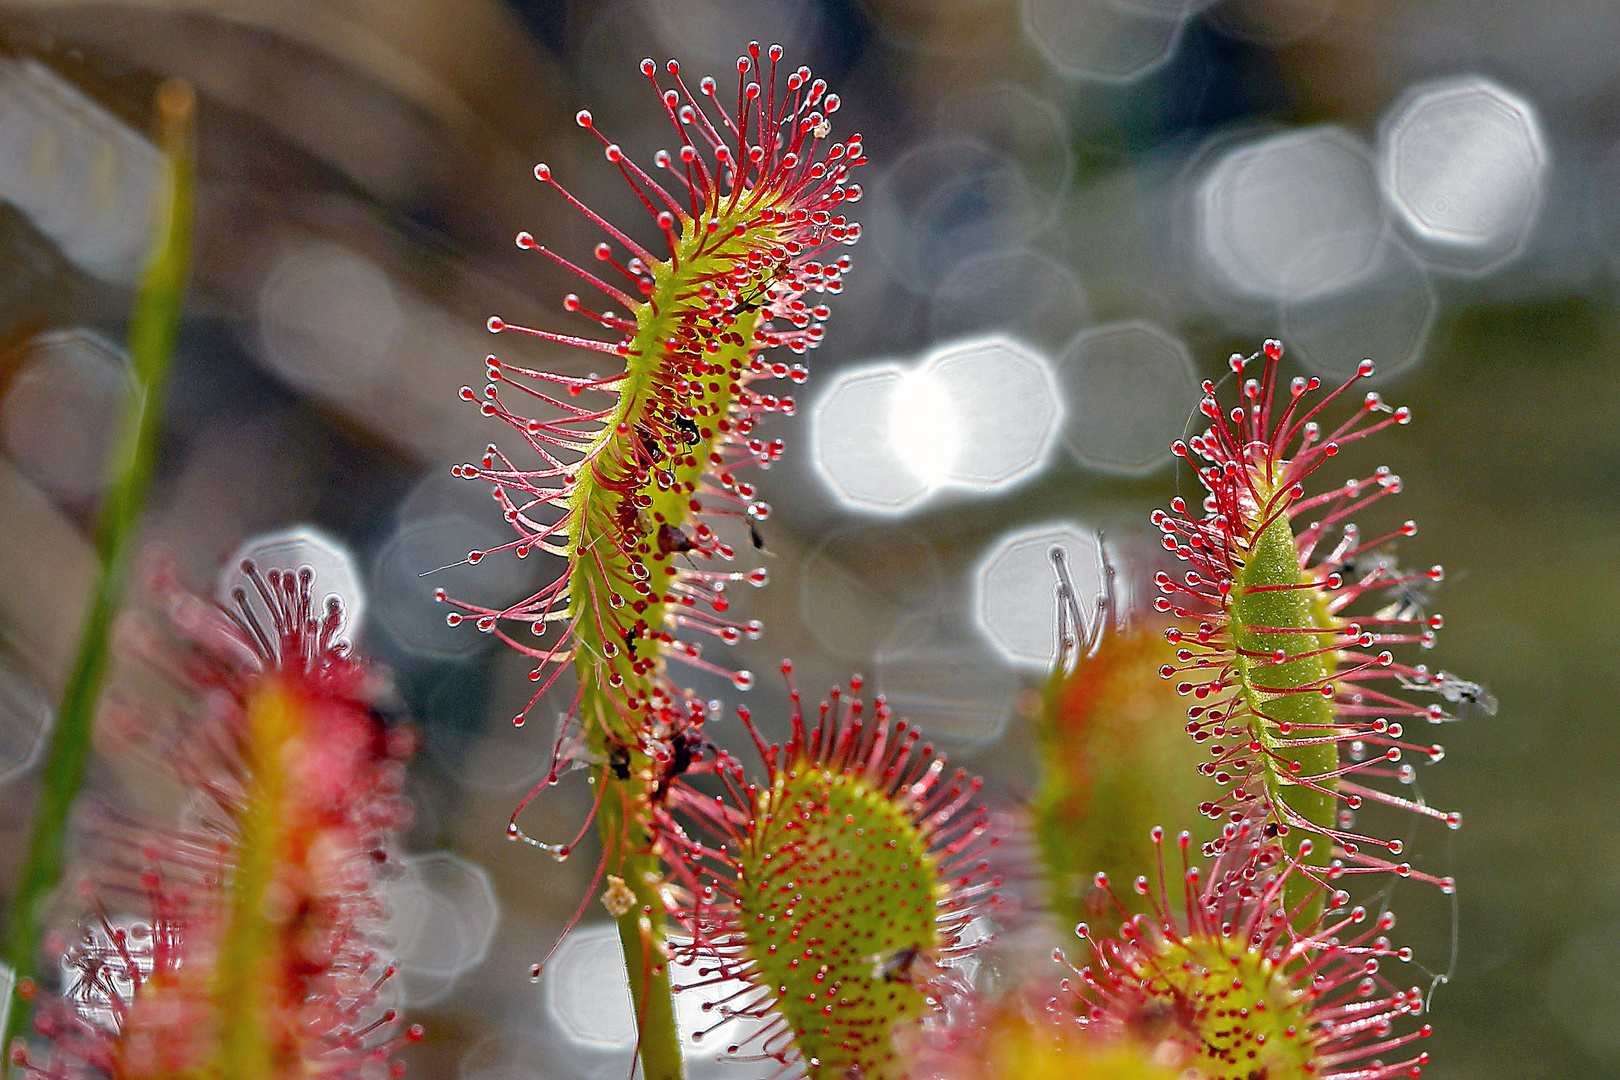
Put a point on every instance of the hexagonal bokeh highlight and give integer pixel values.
(443, 914)
(852, 446)
(977, 414)
(1127, 389)
(1296, 215)
(947, 200)
(1103, 40)
(1387, 319)
(1015, 589)
(586, 992)
(585, 995)
(1464, 163)
(63, 408)
(1004, 405)
(336, 573)
(1022, 293)
(26, 716)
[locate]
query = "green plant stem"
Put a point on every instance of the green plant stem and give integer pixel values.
(152, 330)
(627, 846)
(641, 931)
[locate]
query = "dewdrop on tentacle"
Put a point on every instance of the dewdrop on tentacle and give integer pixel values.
(1296, 691)
(636, 469)
(839, 890)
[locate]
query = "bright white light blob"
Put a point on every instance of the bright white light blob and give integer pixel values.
(1463, 162)
(1005, 406)
(292, 549)
(1296, 215)
(443, 918)
(63, 409)
(853, 446)
(586, 995)
(1108, 41)
(1127, 390)
(587, 992)
(978, 414)
(1015, 589)
(924, 428)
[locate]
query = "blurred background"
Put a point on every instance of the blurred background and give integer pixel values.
(1076, 209)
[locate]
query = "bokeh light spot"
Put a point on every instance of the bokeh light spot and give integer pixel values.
(1100, 40)
(63, 409)
(1464, 162)
(1127, 389)
(1005, 405)
(1015, 589)
(444, 913)
(852, 446)
(292, 549)
(1294, 215)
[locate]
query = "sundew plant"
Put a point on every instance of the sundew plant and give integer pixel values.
(838, 886)
(1203, 863)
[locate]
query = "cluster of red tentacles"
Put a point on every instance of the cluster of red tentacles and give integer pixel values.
(277, 720)
(1237, 987)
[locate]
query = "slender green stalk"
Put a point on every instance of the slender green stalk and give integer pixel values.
(641, 933)
(152, 331)
(632, 858)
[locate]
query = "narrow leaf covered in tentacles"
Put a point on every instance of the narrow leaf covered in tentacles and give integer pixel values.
(1301, 701)
(839, 891)
(243, 944)
(629, 488)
